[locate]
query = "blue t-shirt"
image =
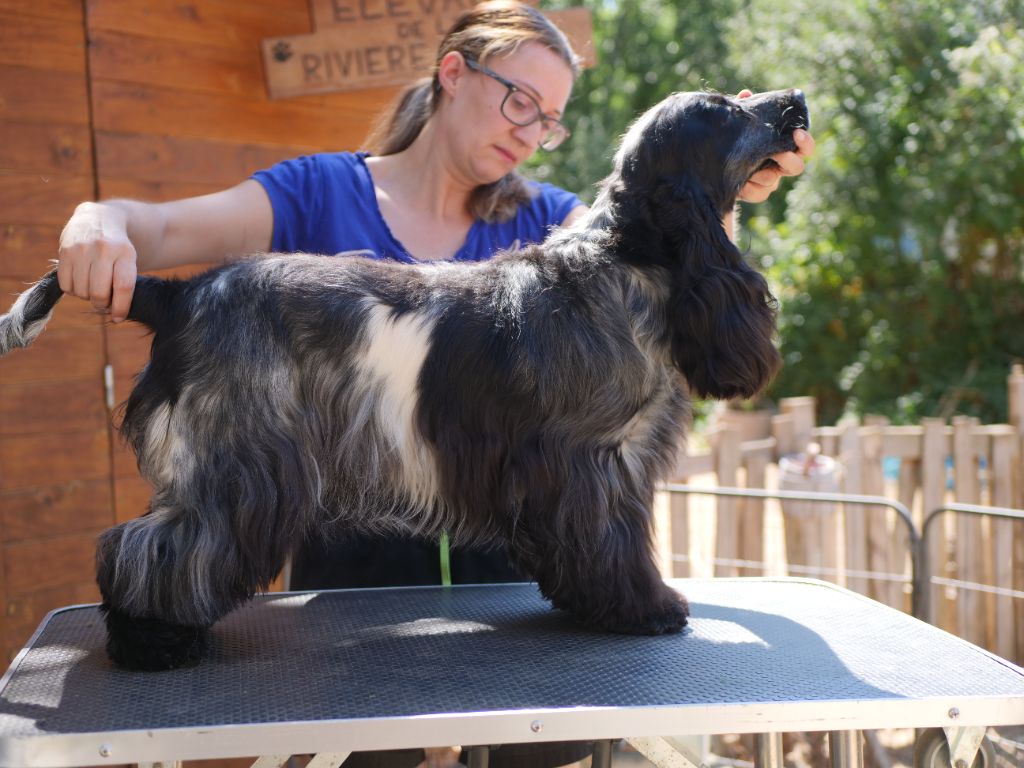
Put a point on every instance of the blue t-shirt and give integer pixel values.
(325, 203)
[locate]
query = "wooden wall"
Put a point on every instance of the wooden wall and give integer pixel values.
(151, 99)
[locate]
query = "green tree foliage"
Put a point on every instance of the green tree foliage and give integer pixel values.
(899, 257)
(646, 49)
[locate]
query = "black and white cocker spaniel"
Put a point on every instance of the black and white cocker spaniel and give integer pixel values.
(535, 398)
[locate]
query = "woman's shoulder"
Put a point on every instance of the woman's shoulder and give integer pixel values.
(548, 205)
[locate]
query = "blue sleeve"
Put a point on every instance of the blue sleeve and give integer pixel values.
(296, 191)
(553, 204)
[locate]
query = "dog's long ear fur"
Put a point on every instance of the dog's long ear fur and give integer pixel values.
(721, 311)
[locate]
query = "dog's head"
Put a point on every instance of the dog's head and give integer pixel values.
(677, 173)
(710, 140)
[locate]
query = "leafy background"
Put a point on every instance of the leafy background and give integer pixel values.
(898, 256)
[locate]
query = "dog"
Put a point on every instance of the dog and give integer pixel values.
(535, 398)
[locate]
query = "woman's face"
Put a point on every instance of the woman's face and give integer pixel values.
(487, 143)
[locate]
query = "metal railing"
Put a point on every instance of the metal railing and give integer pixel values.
(920, 576)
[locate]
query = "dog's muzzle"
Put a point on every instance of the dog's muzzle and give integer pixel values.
(784, 111)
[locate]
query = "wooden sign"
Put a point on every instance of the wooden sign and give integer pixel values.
(372, 43)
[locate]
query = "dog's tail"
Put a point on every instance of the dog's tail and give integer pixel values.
(30, 313)
(32, 310)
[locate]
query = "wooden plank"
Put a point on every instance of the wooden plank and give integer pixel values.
(933, 495)
(45, 148)
(876, 519)
(39, 407)
(373, 49)
(64, 10)
(22, 614)
(124, 463)
(1015, 397)
(348, 13)
(59, 354)
(726, 447)
(802, 410)
(39, 564)
(226, 24)
(224, 117)
(163, 62)
(169, 159)
(430, 20)
(55, 45)
(29, 198)
(153, 191)
(1005, 460)
(751, 518)
(131, 497)
(851, 456)
(30, 461)
(26, 250)
(783, 430)
(43, 95)
(902, 442)
(970, 548)
(72, 507)
(828, 439)
(129, 349)
(679, 517)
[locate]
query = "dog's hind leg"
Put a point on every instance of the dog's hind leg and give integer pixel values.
(167, 576)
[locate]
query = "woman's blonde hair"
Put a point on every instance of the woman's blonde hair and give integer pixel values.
(495, 28)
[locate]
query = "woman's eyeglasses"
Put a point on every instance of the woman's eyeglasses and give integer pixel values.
(520, 108)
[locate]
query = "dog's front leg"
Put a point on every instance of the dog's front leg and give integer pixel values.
(613, 585)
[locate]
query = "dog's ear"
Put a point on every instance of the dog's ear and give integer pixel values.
(721, 311)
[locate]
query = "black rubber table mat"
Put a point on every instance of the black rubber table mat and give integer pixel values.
(395, 653)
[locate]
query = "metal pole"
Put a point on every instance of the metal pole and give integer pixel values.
(847, 749)
(602, 754)
(836, 498)
(922, 573)
(479, 757)
(769, 750)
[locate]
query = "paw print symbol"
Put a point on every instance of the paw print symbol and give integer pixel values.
(282, 51)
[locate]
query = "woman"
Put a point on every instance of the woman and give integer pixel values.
(442, 185)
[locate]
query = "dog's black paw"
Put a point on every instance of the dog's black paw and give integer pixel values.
(150, 644)
(668, 618)
(665, 615)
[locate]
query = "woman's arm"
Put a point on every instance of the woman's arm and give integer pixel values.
(105, 245)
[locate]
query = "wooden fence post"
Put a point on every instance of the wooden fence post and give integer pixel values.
(876, 519)
(852, 458)
(1015, 385)
(801, 409)
(970, 557)
(727, 529)
(752, 534)
(679, 521)
(934, 450)
(1005, 458)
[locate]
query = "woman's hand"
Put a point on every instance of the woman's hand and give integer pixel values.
(97, 260)
(761, 185)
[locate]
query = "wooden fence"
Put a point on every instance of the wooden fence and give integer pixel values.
(976, 563)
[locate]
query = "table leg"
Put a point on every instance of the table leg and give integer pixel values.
(479, 757)
(769, 750)
(847, 749)
(602, 754)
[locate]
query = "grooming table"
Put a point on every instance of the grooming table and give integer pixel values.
(327, 673)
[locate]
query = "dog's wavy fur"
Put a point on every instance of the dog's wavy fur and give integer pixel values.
(535, 398)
